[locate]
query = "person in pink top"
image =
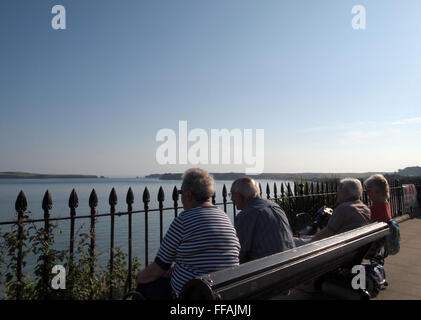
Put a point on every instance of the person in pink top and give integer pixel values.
(378, 191)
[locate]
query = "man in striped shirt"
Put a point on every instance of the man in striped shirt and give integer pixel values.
(262, 226)
(200, 240)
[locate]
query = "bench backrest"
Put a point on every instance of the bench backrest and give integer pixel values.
(271, 275)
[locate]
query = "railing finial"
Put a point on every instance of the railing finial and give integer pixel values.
(146, 196)
(161, 195)
(47, 202)
(112, 199)
(73, 200)
(130, 196)
(93, 199)
(175, 194)
(21, 203)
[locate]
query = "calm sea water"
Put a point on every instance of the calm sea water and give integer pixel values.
(60, 190)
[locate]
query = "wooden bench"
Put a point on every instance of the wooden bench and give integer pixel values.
(272, 275)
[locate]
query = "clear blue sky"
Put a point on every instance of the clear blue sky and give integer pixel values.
(90, 99)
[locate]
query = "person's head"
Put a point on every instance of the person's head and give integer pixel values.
(197, 188)
(377, 188)
(349, 189)
(242, 190)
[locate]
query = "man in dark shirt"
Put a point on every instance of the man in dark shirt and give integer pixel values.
(262, 227)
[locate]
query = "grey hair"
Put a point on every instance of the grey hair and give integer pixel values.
(378, 183)
(247, 187)
(353, 187)
(200, 183)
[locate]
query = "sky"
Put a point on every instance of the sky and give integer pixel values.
(91, 99)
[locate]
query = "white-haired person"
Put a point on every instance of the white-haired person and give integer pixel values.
(350, 213)
(262, 227)
(378, 191)
(199, 241)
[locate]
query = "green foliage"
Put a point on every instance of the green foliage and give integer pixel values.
(307, 197)
(85, 285)
(81, 283)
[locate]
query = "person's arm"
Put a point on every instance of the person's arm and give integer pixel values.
(150, 273)
(324, 233)
(335, 223)
(244, 227)
(166, 254)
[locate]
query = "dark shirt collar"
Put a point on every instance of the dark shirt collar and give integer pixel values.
(253, 202)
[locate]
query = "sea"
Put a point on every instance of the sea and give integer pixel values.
(60, 190)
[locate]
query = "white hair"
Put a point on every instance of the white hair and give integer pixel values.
(353, 187)
(247, 187)
(200, 183)
(378, 183)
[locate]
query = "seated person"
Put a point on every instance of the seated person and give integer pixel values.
(378, 191)
(350, 213)
(262, 227)
(200, 240)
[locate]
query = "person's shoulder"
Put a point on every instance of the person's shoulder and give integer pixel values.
(342, 206)
(199, 210)
(361, 204)
(259, 204)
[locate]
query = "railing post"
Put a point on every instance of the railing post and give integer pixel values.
(392, 199)
(175, 199)
(400, 197)
(224, 197)
(146, 198)
(312, 195)
(73, 204)
(47, 204)
(112, 200)
(306, 196)
(161, 198)
(93, 203)
(301, 195)
(129, 202)
(282, 192)
(275, 191)
(322, 192)
(267, 191)
(21, 205)
(318, 196)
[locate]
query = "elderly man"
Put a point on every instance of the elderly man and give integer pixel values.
(350, 213)
(200, 240)
(262, 226)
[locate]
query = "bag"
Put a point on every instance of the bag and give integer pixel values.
(375, 279)
(392, 241)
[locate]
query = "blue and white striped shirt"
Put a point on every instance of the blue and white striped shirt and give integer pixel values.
(200, 241)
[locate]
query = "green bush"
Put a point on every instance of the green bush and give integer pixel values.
(80, 283)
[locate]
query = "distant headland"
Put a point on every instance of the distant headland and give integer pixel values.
(408, 172)
(268, 176)
(27, 175)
